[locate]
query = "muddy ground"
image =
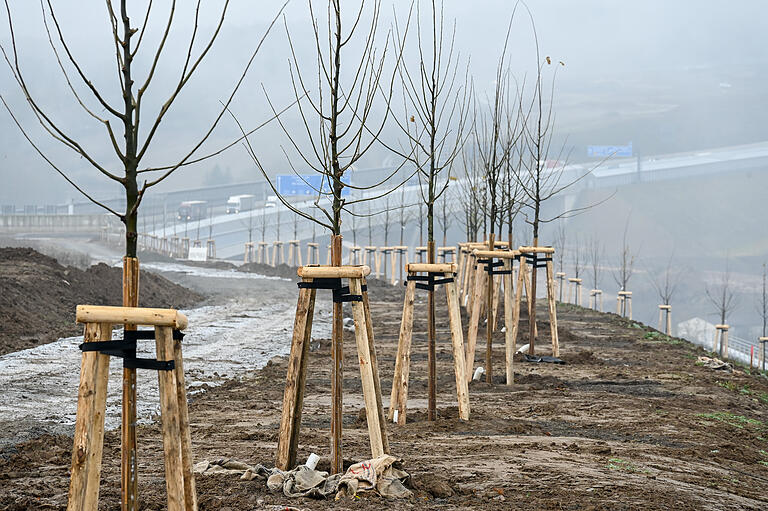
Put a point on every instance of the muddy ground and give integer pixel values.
(38, 296)
(629, 422)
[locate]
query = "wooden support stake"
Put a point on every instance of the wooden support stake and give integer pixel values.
(457, 343)
(474, 319)
(366, 372)
(509, 343)
(552, 310)
(89, 423)
(170, 424)
(190, 492)
(399, 395)
(518, 298)
(290, 421)
(375, 368)
(490, 318)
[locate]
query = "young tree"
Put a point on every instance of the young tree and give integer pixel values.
(722, 297)
(435, 108)
(404, 215)
(445, 218)
(626, 261)
(339, 120)
(595, 254)
(578, 259)
(665, 283)
(133, 116)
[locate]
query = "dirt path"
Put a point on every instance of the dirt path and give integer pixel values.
(630, 422)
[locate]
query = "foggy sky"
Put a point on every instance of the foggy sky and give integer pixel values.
(670, 76)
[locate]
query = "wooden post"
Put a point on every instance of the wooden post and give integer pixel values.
(248, 256)
(578, 292)
(553, 309)
(561, 277)
(763, 341)
(518, 298)
(129, 472)
(399, 395)
(489, 320)
(508, 322)
(293, 395)
(393, 265)
(170, 423)
(366, 371)
(313, 253)
(375, 368)
(474, 318)
(460, 272)
(457, 343)
(190, 492)
(89, 423)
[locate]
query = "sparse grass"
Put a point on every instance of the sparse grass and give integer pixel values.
(744, 390)
(655, 336)
(726, 385)
(624, 465)
(737, 421)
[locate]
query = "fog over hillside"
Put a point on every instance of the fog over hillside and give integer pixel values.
(668, 76)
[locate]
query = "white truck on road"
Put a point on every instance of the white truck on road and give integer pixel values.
(240, 203)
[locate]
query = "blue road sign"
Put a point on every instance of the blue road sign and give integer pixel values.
(305, 184)
(604, 151)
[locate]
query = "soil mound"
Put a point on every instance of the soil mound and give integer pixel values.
(38, 296)
(281, 270)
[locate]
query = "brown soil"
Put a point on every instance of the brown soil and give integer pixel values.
(630, 422)
(38, 296)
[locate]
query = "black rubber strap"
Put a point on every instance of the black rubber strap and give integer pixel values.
(126, 349)
(118, 345)
(535, 261)
(340, 293)
(149, 363)
(430, 280)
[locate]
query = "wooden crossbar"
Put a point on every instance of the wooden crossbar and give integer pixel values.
(131, 316)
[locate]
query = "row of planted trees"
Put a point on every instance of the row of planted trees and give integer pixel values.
(405, 89)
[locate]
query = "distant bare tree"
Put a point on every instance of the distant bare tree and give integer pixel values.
(387, 224)
(445, 218)
(467, 197)
(722, 297)
(595, 254)
(561, 235)
(666, 282)
(404, 215)
(626, 261)
(578, 257)
(263, 225)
